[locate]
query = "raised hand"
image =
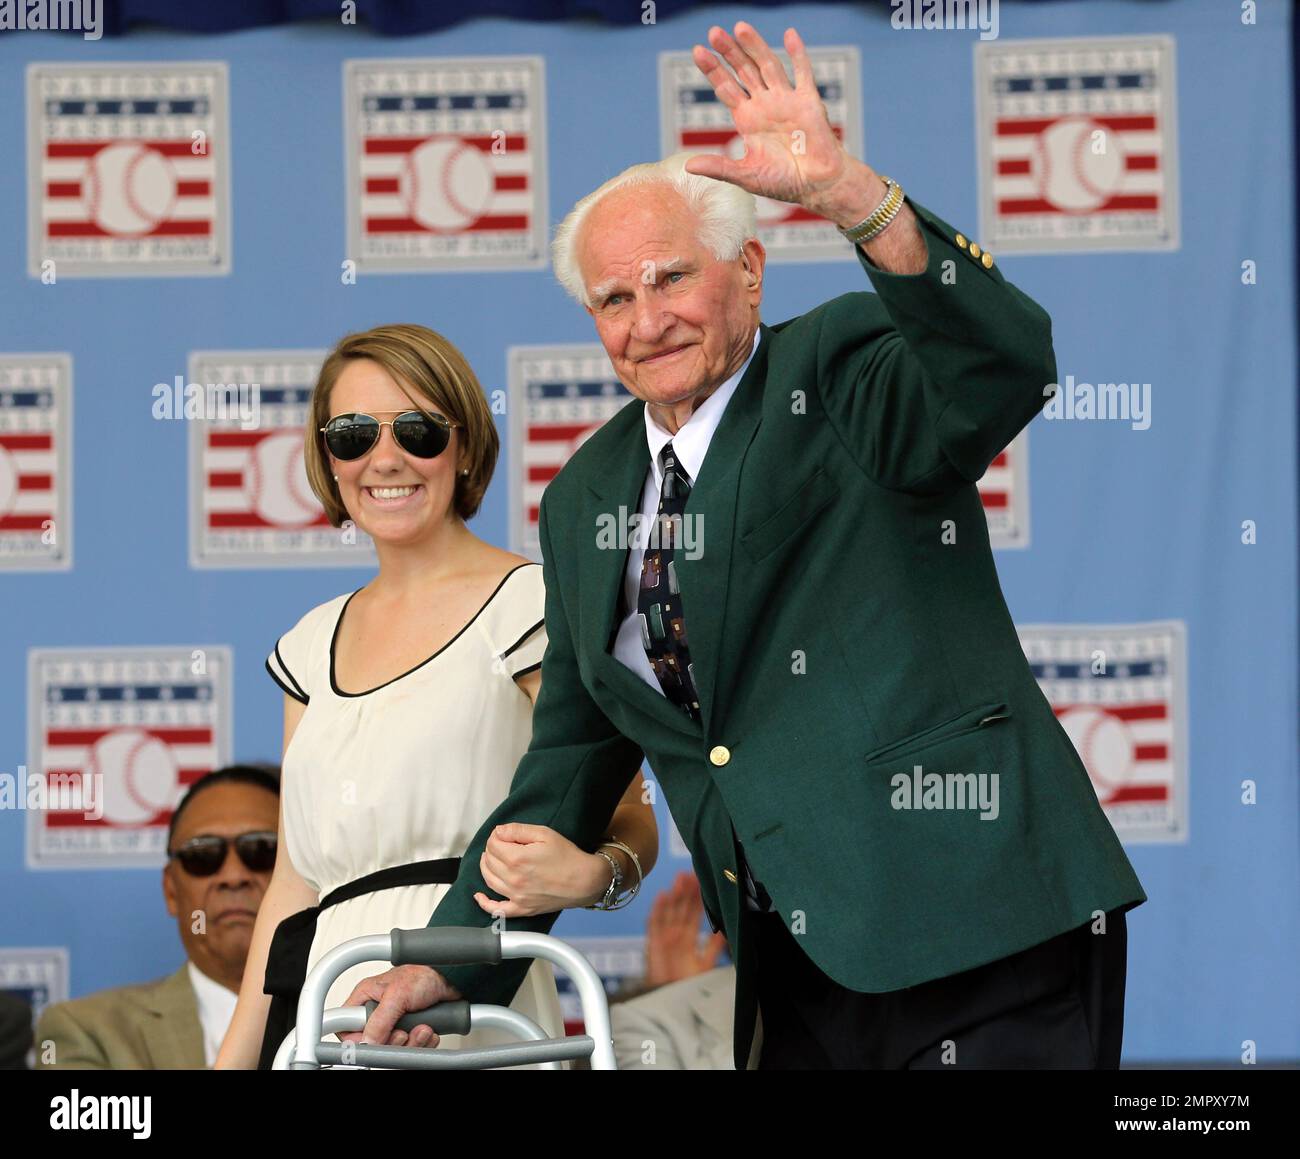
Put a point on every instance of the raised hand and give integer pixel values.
(674, 947)
(791, 152)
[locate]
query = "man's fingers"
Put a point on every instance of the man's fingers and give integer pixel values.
(716, 166)
(727, 90)
(379, 1026)
(803, 70)
(745, 68)
(423, 1036)
(769, 64)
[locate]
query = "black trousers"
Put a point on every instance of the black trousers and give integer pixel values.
(1057, 1004)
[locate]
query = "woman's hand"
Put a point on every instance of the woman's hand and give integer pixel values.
(538, 871)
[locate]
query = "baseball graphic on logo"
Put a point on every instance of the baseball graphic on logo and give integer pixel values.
(137, 776)
(8, 483)
(447, 184)
(275, 482)
(129, 189)
(1104, 745)
(1067, 168)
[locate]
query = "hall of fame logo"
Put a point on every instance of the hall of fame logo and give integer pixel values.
(1004, 492)
(128, 169)
(250, 502)
(146, 723)
(1077, 144)
(35, 462)
(559, 397)
(446, 163)
(693, 119)
(38, 975)
(1120, 693)
(618, 961)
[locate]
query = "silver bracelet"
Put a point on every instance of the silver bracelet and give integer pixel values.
(879, 219)
(608, 902)
(615, 880)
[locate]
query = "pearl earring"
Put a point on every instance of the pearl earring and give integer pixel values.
(465, 471)
(336, 478)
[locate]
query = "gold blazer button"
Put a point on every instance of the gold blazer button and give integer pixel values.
(731, 877)
(961, 240)
(974, 249)
(719, 754)
(987, 260)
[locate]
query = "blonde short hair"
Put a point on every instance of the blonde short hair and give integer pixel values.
(428, 365)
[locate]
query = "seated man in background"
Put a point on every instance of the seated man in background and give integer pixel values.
(681, 1018)
(220, 853)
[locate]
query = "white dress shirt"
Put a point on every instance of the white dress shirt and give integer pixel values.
(690, 444)
(216, 1009)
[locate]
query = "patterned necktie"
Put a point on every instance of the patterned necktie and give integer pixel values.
(663, 624)
(659, 601)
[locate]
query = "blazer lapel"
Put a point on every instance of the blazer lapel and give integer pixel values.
(705, 580)
(614, 495)
(171, 1028)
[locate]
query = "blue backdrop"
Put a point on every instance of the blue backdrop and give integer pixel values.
(1127, 525)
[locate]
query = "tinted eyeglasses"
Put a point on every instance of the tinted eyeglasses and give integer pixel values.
(425, 436)
(203, 856)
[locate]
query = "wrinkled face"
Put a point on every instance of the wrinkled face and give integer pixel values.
(673, 319)
(229, 898)
(393, 496)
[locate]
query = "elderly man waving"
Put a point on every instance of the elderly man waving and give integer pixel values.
(896, 836)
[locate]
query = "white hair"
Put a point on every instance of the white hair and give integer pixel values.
(725, 213)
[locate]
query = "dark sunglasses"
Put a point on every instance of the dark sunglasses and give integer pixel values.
(352, 435)
(203, 856)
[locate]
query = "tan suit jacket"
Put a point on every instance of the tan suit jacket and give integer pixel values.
(149, 1026)
(688, 1022)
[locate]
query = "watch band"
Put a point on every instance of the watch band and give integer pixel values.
(611, 890)
(876, 222)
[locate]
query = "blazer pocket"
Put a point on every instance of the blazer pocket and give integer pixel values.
(790, 516)
(971, 720)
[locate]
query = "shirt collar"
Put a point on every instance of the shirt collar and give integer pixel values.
(692, 440)
(210, 994)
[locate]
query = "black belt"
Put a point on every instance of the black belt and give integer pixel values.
(286, 960)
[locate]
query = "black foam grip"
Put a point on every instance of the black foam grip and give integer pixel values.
(446, 946)
(445, 1017)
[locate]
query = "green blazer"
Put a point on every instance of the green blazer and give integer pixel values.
(849, 638)
(151, 1026)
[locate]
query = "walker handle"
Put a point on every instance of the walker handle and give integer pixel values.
(446, 946)
(444, 1017)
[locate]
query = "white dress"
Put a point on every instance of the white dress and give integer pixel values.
(408, 771)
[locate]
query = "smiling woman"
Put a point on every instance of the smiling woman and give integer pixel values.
(408, 703)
